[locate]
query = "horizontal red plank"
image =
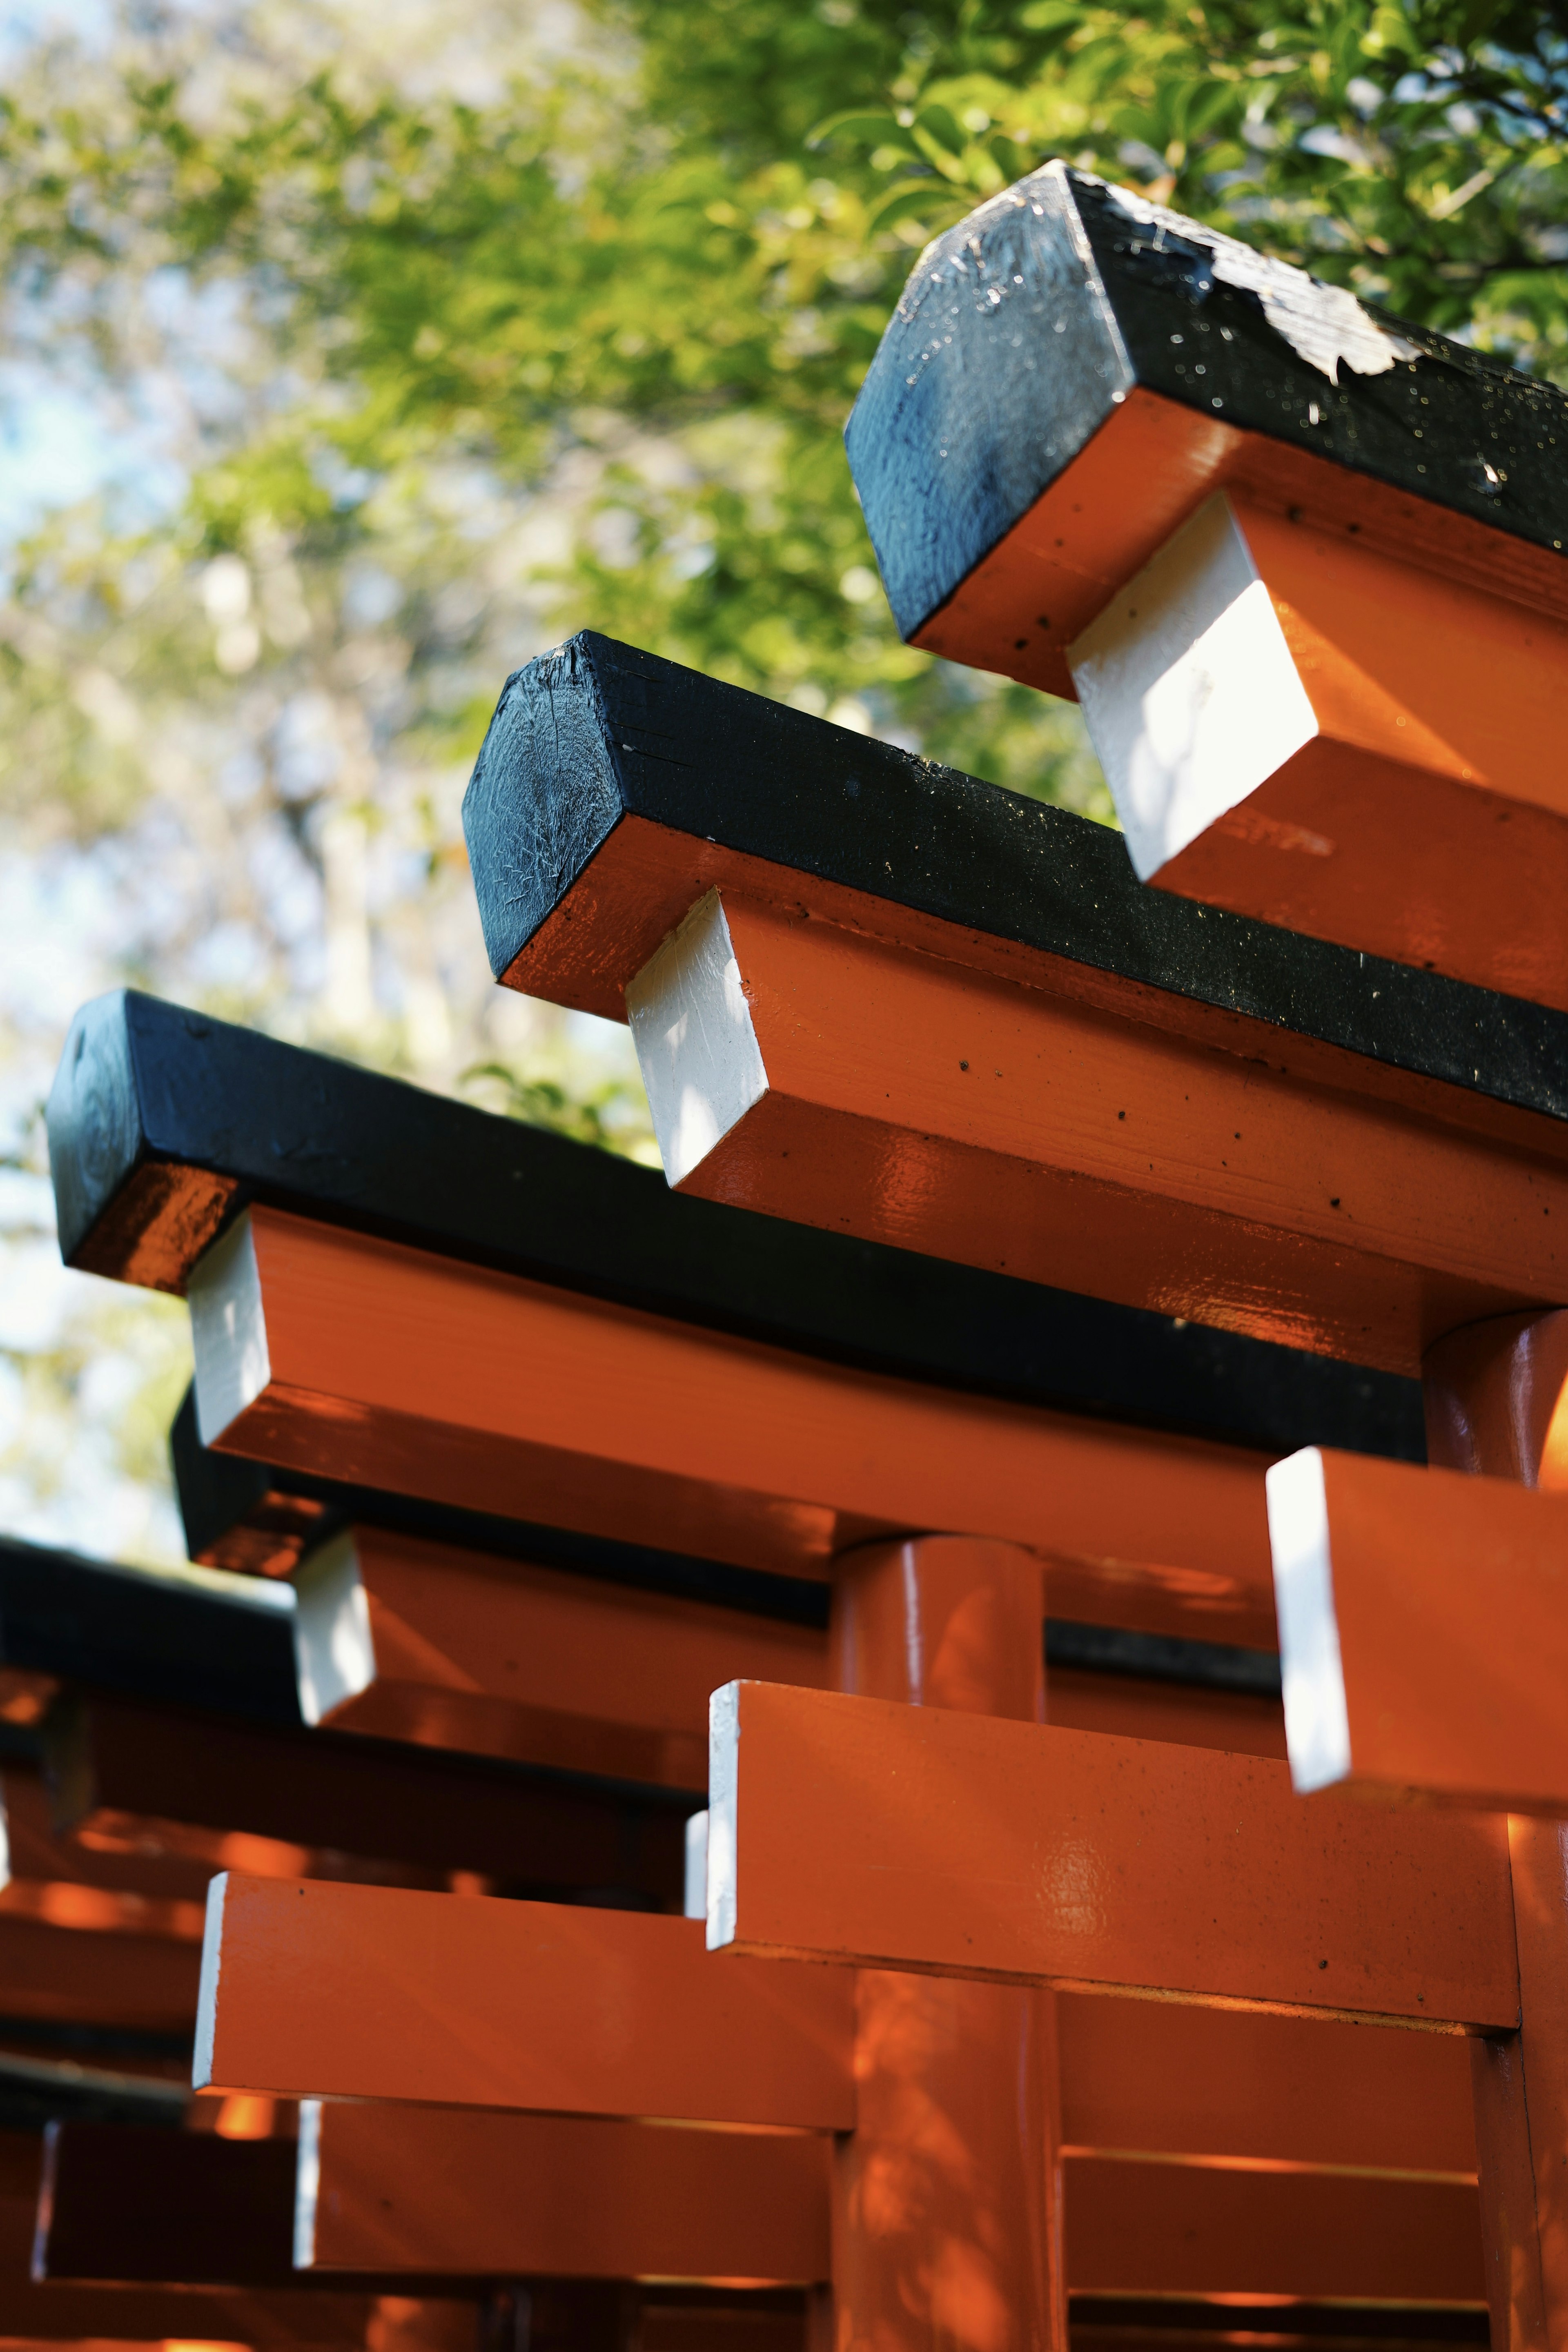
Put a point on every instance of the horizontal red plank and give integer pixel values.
(852, 1830)
(317, 1990)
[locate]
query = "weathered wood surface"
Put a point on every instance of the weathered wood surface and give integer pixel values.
(1072, 370)
(334, 1991)
(614, 788)
(153, 1105)
(326, 1348)
(854, 1831)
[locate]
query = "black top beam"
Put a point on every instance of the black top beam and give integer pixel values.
(1026, 326)
(597, 734)
(159, 1638)
(152, 1103)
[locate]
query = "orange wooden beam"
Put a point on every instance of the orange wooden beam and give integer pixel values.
(852, 1830)
(366, 1992)
(848, 1082)
(408, 1639)
(460, 2191)
(384, 2189)
(1164, 2079)
(329, 1350)
(117, 1976)
(1135, 2228)
(1299, 727)
(1424, 1631)
(148, 2315)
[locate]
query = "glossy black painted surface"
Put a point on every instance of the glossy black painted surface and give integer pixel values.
(597, 731)
(151, 1083)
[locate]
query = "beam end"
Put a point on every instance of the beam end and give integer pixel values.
(1317, 1718)
(696, 1045)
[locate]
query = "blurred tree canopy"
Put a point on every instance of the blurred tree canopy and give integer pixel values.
(640, 281)
(412, 340)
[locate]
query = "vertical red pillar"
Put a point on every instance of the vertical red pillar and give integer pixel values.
(1496, 1405)
(947, 2213)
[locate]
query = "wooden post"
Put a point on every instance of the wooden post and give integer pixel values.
(947, 2195)
(1495, 1395)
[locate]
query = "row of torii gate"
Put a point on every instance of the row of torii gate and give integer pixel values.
(1044, 1536)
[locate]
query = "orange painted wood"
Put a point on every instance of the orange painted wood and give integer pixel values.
(501, 1658)
(849, 1830)
(504, 2196)
(914, 1102)
(365, 1992)
(1188, 1716)
(1449, 1599)
(114, 1977)
(1162, 2078)
(404, 1370)
(1494, 1409)
(1428, 820)
(510, 2195)
(1142, 473)
(947, 2197)
(1175, 2228)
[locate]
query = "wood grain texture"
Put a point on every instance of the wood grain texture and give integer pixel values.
(331, 1991)
(910, 1100)
(144, 1086)
(406, 1371)
(849, 1830)
(1029, 330)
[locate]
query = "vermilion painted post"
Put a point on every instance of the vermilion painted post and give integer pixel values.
(947, 2197)
(1496, 1405)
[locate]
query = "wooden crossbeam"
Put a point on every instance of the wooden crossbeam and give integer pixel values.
(148, 1779)
(1137, 2227)
(1071, 470)
(116, 1977)
(126, 2204)
(514, 2196)
(315, 1345)
(1292, 727)
(1288, 713)
(853, 1831)
(790, 1064)
(56, 2313)
(520, 2194)
(1424, 1626)
(1242, 2088)
(364, 1993)
(160, 1128)
(450, 1649)
(769, 805)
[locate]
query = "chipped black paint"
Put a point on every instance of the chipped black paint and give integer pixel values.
(1023, 328)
